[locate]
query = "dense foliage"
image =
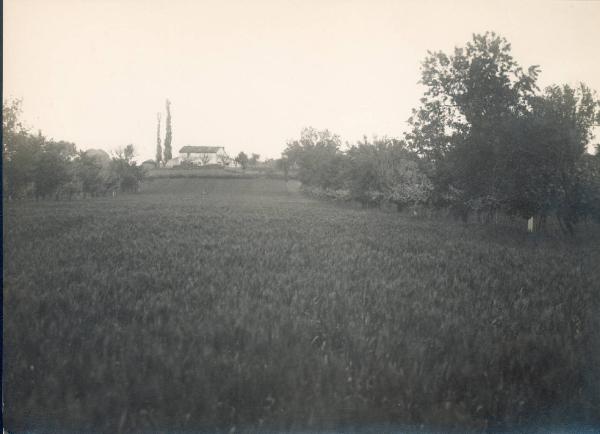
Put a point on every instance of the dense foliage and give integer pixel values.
(34, 166)
(484, 141)
(369, 172)
(494, 143)
(222, 303)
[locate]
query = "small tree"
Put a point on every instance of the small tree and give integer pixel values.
(254, 159)
(205, 159)
(125, 174)
(224, 159)
(242, 160)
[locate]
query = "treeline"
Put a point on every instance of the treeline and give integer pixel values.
(244, 161)
(371, 173)
(484, 141)
(36, 167)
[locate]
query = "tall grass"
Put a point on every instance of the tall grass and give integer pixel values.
(239, 303)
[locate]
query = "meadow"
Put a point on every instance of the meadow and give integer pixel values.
(213, 171)
(242, 305)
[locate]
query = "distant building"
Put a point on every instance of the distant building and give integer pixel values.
(173, 162)
(149, 164)
(202, 155)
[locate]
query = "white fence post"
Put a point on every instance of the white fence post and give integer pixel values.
(530, 227)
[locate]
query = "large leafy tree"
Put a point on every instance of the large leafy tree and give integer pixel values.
(492, 141)
(470, 98)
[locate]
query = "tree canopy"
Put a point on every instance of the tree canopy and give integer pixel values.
(492, 140)
(35, 166)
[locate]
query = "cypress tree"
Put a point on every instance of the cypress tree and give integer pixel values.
(168, 134)
(158, 146)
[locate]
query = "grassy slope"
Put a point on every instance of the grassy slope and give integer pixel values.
(235, 302)
(212, 172)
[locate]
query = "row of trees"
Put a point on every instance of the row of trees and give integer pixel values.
(370, 172)
(162, 158)
(484, 140)
(34, 166)
(244, 161)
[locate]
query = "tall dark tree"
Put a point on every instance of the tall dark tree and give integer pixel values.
(471, 99)
(158, 146)
(168, 134)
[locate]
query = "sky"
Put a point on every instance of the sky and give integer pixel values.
(249, 75)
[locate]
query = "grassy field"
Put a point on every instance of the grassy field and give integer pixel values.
(242, 305)
(214, 172)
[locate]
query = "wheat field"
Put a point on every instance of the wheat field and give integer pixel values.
(242, 305)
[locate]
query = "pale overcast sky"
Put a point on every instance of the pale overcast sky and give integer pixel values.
(248, 75)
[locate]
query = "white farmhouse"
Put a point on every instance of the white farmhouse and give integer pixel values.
(203, 155)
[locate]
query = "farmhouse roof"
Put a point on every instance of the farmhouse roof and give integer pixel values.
(200, 149)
